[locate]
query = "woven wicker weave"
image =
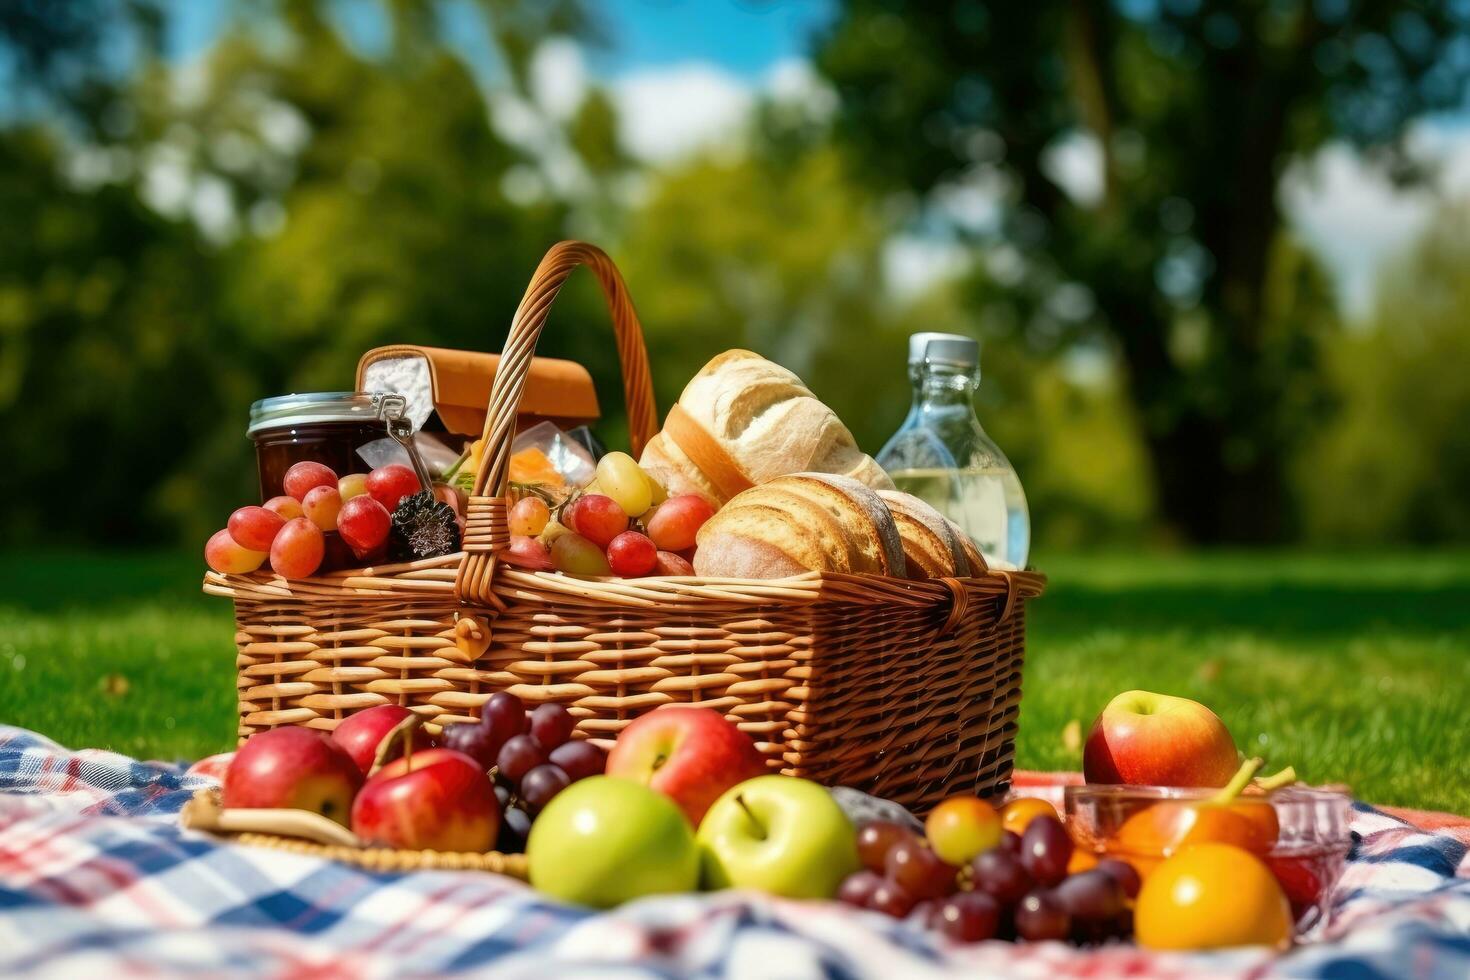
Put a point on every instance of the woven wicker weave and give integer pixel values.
(905, 689)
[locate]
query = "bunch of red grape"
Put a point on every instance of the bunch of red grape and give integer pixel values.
(319, 513)
(534, 756)
(1017, 889)
(623, 523)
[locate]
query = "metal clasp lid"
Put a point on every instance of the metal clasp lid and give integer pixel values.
(392, 408)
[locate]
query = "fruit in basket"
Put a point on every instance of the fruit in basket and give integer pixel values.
(518, 756)
(531, 466)
(1046, 849)
(1016, 814)
(390, 483)
(286, 507)
(529, 516)
(1211, 896)
(1148, 739)
(322, 506)
(669, 563)
(423, 527)
(575, 555)
(298, 549)
(292, 768)
(362, 732)
(527, 553)
(604, 841)
(303, 476)
(780, 834)
(438, 799)
(961, 827)
(504, 716)
(596, 517)
(622, 480)
(352, 485)
(224, 555)
(691, 755)
(677, 520)
(453, 496)
(364, 524)
(474, 740)
(632, 555)
(254, 528)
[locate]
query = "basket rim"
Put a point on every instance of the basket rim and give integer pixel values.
(434, 578)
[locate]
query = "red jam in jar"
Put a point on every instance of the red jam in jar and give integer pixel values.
(326, 427)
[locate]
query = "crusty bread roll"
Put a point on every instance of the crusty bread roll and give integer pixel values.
(743, 420)
(800, 523)
(931, 544)
(978, 564)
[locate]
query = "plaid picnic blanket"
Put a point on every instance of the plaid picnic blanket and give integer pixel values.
(96, 879)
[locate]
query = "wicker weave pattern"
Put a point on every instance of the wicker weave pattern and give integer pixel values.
(905, 689)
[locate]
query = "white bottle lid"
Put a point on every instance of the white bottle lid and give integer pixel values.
(944, 348)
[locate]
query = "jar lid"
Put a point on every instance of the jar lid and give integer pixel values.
(944, 348)
(308, 407)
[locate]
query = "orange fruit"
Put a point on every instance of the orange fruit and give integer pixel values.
(1015, 815)
(1168, 827)
(961, 827)
(1081, 861)
(1211, 896)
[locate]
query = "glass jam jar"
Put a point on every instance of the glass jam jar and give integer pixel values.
(327, 427)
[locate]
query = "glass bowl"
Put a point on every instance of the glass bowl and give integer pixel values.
(1307, 852)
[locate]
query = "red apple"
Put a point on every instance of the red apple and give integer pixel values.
(1147, 739)
(292, 768)
(691, 755)
(438, 799)
(361, 733)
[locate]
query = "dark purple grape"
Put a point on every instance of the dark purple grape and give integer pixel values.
(473, 740)
(999, 874)
(1039, 916)
(858, 887)
(551, 725)
(504, 716)
(966, 917)
(1093, 896)
(918, 870)
(541, 784)
(515, 827)
(579, 759)
(891, 898)
(1046, 849)
(1123, 873)
(519, 756)
(874, 840)
(1010, 841)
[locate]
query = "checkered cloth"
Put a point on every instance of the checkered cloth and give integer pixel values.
(96, 879)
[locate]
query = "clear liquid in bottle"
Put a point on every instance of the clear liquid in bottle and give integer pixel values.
(942, 455)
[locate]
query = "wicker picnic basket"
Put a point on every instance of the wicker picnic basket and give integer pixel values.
(906, 689)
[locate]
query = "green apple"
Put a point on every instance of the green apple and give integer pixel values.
(604, 840)
(779, 834)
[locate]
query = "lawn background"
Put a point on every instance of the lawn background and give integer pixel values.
(1352, 668)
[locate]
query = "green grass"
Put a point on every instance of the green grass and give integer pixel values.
(1352, 669)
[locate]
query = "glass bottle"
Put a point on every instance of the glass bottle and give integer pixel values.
(942, 455)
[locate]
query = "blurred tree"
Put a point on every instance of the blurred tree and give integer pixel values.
(1134, 151)
(1394, 465)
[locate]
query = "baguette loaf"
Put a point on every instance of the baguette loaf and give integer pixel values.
(743, 420)
(800, 523)
(931, 544)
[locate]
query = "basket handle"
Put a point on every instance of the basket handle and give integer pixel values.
(520, 346)
(486, 527)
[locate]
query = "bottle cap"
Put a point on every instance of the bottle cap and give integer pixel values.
(944, 348)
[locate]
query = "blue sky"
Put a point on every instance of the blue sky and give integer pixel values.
(743, 37)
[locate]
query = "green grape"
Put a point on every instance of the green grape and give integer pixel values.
(623, 480)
